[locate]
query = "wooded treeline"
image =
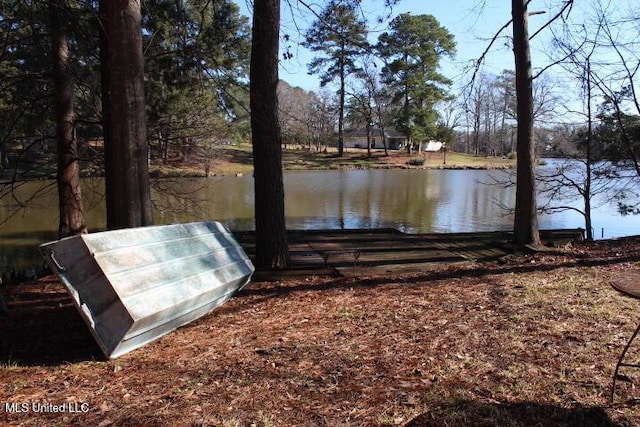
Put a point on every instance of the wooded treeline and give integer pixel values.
(107, 87)
(196, 61)
(196, 70)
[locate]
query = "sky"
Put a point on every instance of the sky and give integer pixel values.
(472, 22)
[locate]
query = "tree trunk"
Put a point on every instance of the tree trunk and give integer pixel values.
(476, 127)
(341, 109)
(589, 160)
(128, 192)
(368, 136)
(405, 109)
(384, 137)
(71, 209)
(526, 215)
(271, 232)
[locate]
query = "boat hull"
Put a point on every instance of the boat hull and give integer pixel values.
(132, 286)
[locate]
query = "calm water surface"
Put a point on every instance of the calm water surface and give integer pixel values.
(414, 201)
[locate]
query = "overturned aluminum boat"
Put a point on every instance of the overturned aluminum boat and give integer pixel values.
(132, 286)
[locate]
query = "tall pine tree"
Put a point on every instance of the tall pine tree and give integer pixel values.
(72, 219)
(128, 191)
(412, 49)
(339, 36)
(272, 249)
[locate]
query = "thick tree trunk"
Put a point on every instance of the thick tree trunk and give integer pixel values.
(526, 215)
(271, 232)
(71, 209)
(128, 190)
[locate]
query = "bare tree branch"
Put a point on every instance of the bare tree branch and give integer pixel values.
(568, 5)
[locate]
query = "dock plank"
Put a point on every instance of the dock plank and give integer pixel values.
(372, 251)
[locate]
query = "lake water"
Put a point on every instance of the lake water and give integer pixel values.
(413, 201)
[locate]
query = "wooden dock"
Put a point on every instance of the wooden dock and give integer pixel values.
(378, 251)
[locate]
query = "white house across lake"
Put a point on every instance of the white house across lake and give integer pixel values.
(395, 140)
(358, 139)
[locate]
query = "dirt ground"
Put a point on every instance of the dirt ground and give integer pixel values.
(530, 340)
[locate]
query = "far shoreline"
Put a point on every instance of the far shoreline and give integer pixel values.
(238, 160)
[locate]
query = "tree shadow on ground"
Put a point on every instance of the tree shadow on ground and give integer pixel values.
(43, 328)
(504, 414)
(275, 288)
(236, 156)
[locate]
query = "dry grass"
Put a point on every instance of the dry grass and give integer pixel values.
(356, 158)
(527, 341)
(238, 159)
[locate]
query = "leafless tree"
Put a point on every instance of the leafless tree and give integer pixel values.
(295, 110)
(322, 119)
(602, 55)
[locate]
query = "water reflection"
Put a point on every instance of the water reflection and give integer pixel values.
(415, 201)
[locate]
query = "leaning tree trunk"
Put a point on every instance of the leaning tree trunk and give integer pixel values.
(526, 215)
(128, 192)
(71, 209)
(271, 231)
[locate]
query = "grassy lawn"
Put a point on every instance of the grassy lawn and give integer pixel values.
(238, 159)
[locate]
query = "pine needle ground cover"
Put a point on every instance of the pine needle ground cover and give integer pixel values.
(528, 340)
